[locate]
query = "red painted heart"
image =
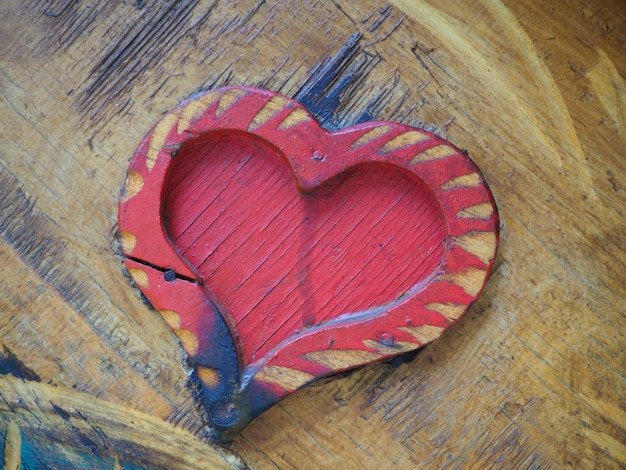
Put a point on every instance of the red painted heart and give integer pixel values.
(280, 253)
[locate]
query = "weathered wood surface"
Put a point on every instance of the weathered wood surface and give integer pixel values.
(532, 376)
(55, 427)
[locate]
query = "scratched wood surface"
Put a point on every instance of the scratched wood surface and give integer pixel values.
(533, 376)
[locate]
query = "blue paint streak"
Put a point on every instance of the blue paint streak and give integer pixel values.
(39, 455)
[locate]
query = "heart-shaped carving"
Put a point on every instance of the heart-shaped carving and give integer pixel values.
(280, 253)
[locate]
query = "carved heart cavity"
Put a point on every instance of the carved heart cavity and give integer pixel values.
(279, 252)
(280, 261)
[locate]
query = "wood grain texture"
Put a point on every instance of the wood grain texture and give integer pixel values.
(54, 427)
(535, 91)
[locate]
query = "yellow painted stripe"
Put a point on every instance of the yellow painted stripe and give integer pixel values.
(286, 378)
(480, 244)
(339, 359)
(272, 108)
(425, 333)
(478, 211)
(466, 181)
(208, 376)
(297, 116)
(134, 184)
(369, 136)
(470, 280)
(395, 348)
(140, 277)
(171, 318)
(435, 153)
(189, 340)
(195, 108)
(448, 310)
(128, 241)
(158, 138)
(229, 98)
(404, 140)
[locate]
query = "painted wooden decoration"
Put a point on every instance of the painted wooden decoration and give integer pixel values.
(280, 253)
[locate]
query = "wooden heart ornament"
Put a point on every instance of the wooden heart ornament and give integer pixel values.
(280, 253)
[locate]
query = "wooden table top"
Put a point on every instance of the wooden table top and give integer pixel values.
(532, 376)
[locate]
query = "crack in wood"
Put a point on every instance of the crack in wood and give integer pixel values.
(168, 273)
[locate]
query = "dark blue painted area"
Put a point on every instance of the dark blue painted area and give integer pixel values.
(322, 92)
(11, 365)
(253, 400)
(222, 402)
(336, 81)
(38, 454)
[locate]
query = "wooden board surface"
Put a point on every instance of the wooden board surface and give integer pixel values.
(535, 91)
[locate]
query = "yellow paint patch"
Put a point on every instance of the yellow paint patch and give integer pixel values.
(286, 378)
(128, 241)
(466, 181)
(425, 333)
(158, 138)
(195, 108)
(471, 280)
(340, 359)
(297, 116)
(140, 277)
(134, 184)
(12, 447)
(189, 340)
(369, 136)
(404, 140)
(229, 98)
(479, 211)
(480, 244)
(208, 376)
(434, 153)
(450, 311)
(171, 318)
(273, 107)
(395, 348)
